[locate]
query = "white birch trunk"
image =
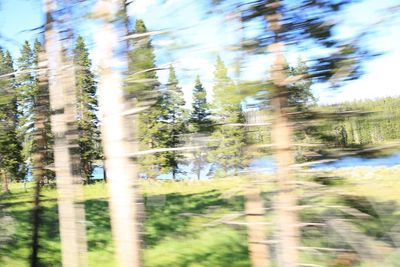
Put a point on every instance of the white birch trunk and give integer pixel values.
(121, 171)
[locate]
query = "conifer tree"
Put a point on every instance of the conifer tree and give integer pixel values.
(142, 86)
(87, 121)
(11, 162)
(142, 82)
(42, 110)
(26, 91)
(200, 126)
(28, 100)
(200, 119)
(175, 117)
(300, 95)
(228, 152)
(163, 128)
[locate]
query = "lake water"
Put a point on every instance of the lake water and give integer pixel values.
(357, 161)
(267, 164)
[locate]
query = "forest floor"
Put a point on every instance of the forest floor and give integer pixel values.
(183, 226)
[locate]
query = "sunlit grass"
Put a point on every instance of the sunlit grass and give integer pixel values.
(175, 232)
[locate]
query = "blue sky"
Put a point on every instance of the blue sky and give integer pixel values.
(201, 36)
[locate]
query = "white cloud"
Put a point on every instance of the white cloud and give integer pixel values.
(140, 7)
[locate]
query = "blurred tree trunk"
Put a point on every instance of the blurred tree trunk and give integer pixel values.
(66, 148)
(4, 178)
(121, 171)
(39, 155)
(255, 215)
(281, 134)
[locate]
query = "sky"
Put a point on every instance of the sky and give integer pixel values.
(198, 37)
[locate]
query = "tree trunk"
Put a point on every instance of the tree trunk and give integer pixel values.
(66, 149)
(286, 202)
(121, 171)
(104, 172)
(198, 172)
(5, 188)
(255, 218)
(38, 157)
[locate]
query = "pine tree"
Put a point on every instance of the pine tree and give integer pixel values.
(228, 152)
(42, 111)
(87, 121)
(163, 128)
(142, 81)
(27, 97)
(175, 118)
(26, 92)
(200, 125)
(11, 162)
(300, 94)
(200, 120)
(289, 24)
(142, 86)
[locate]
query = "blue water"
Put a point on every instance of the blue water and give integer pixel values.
(98, 173)
(267, 165)
(357, 161)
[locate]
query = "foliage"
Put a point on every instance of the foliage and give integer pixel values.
(228, 139)
(300, 94)
(27, 102)
(142, 82)
(11, 159)
(378, 121)
(166, 122)
(200, 120)
(200, 127)
(87, 121)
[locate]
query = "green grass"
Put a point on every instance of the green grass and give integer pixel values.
(174, 231)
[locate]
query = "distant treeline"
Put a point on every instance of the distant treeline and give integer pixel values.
(365, 122)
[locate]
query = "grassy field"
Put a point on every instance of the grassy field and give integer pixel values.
(175, 230)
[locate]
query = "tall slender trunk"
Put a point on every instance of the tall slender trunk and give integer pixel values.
(38, 157)
(281, 134)
(286, 201)
(174, 173)
(121, 171)
(66, 148)
(104, 172)
(198, 171)
(4, 188)
(255, 218)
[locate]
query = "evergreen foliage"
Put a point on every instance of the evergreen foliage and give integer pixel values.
(26, 91)
(200, 127)
(142, 80)
(378, 122)
(11, 159)
(228, 139)
(300, 94)
(200, 120)
(164, 121)
(87, 121)
(175, 116)
(165, 125)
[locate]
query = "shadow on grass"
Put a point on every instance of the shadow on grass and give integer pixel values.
(164, 227)
(17, 250)
(166, 217)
